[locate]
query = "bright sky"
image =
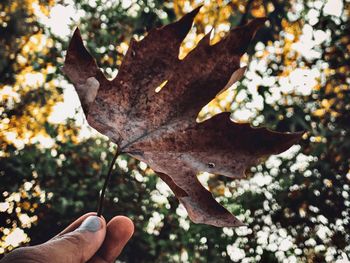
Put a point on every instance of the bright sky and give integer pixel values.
(60, 20)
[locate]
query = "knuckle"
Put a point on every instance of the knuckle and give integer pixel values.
(77, 241)
(73, 239)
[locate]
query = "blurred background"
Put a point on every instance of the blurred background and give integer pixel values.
(296, 205)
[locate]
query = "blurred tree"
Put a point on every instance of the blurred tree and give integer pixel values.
(28, 67)
(296, 205)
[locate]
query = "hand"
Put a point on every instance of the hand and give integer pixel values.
(88, 239)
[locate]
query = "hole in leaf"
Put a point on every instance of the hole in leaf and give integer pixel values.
(161, 86)
(211, 165)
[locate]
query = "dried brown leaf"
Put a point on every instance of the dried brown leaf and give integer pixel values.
(160, 128)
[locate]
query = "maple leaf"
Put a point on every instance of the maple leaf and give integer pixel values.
(160, 128)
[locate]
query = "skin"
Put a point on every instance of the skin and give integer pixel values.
(100, 245)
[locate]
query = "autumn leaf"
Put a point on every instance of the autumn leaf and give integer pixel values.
(160, 128)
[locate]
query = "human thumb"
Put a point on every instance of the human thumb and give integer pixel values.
(79, 245)
(69, 247)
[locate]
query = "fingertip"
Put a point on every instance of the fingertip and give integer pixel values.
(122, 225)
(73, 226)
(92, 224)
(119, 231)
(102, 221)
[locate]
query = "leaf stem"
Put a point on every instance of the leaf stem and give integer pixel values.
(105, 184)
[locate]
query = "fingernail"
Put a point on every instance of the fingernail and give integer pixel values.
(91, 224)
